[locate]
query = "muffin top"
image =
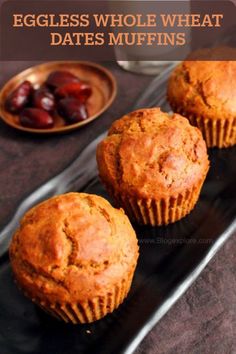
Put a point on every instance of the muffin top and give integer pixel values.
(73, 247)
(204, 88)
(150, 154)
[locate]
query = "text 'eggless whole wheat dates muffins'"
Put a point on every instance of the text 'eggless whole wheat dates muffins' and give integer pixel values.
(74, 255)
(205, 93)
(153, 165)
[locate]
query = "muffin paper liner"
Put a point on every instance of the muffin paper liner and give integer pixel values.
(216, 132)
(158, 212)
(87, 311)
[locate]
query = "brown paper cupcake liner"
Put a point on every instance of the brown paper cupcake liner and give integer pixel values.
(216, 132)
(159, 212)
(88, 311)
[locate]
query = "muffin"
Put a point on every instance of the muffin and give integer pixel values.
(205, 93)
(153, 165)
(74, 255)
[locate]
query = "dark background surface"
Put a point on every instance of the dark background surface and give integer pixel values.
(204, 319)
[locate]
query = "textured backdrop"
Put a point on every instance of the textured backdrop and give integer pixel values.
(204, 319)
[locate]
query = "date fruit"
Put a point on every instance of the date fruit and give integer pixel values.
(80, 90)
(36, 118)
(19, 98)
(44, 99)
(59, 78)
(72, 110)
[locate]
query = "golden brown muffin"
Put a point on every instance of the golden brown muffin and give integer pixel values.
(153, 165)
(205, 93)
(75, 255)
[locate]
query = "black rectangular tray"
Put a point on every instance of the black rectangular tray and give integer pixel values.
(171, 258)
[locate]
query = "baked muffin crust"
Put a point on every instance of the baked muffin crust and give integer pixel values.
(73, 248)
(204, 88)
(150, 154)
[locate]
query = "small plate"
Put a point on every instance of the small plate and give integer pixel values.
(101, 80)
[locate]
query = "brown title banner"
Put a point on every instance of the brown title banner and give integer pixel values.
(125, 30)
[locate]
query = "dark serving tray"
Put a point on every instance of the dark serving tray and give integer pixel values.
(171, 258)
